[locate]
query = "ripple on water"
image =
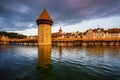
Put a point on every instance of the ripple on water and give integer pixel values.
(81, 63)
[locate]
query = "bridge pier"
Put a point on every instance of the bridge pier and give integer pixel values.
(97, 44)
(91, 43)
(69, 44)
(77, 43)
(104, 43)
(30, 44)
(84, 44)
(111, 43)
(35, 44)
(25, 43)
(117, 43)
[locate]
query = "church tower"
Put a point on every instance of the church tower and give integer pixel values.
(60, 30)
(44, 23)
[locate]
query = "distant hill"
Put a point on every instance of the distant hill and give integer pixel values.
(12, 35)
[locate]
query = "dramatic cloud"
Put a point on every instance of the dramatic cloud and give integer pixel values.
(21, 14)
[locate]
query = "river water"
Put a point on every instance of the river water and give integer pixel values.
(59, 63)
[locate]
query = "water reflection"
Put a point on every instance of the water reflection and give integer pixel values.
(44, 61)
(86, 63)
(59, 63)
(60, 51)
(101, 50)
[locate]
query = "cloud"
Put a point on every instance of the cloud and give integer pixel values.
(74, 11)
(18, 14)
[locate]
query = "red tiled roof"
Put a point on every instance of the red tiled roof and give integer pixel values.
(114, 30)
(45, 15)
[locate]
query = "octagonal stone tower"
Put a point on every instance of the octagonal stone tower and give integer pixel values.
(44, 23)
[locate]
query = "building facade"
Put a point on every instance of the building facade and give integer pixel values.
(101, 33)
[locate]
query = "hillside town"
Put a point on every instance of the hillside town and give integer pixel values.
(90, 33)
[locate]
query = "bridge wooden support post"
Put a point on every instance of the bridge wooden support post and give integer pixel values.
(54, 44)
(84, 43)
(111, 43)
(4, 42)
(58, 44)
(25, 43)
(78, 43)
(97, 44)
(61, 44)
(17, 43)
(104, 43)
(35, 44)
(91, 43)
(117, 43)
(20, 43)
(30, 44)
(70, 44)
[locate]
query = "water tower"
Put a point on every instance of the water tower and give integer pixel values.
(44, 23)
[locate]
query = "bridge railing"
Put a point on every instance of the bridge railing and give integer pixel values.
(65, 39)
(85, 39)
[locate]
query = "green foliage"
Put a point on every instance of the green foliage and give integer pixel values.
(12, 35)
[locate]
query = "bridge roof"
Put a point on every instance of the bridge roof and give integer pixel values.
(44, 15)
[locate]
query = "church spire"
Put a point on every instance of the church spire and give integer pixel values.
(60, 30)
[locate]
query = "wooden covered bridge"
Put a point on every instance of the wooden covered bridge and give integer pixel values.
(68, 42)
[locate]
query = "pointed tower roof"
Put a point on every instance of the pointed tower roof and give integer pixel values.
(60, 29)
(44, 15)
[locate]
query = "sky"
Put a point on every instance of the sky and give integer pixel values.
(71, 15)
